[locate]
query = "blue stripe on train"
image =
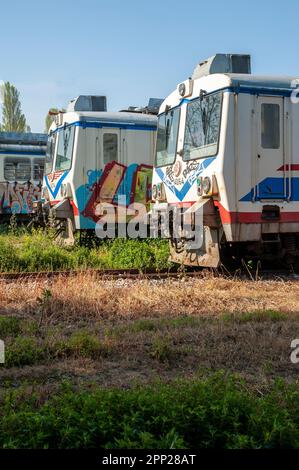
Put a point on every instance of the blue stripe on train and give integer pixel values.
(273, 188)
(115, 125)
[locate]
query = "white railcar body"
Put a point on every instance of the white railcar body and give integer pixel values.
(95, 157)
(233, 149)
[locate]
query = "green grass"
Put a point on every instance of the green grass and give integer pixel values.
(256, 316)
(36, 251)
(218, 412)
(81, 344)
(43, 346)
(156, 324)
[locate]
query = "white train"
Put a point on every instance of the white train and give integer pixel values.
(22, 159)
(227, 146)
(94, 157)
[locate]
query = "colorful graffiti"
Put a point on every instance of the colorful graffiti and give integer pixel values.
(18, 198)
(133, 183)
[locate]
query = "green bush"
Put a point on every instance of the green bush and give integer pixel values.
(24, 350)
(9, 260)
(218, 412)
(9, 326)
(83, 344)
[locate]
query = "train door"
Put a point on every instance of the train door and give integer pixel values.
(270, 171)
(111, 162)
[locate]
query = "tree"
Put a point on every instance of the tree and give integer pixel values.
(51, 116)
(13, 120)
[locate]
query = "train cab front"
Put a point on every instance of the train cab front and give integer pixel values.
(57, 193)
(185, 186)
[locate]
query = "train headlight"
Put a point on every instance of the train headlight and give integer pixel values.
(158, 192)
(161, 195)
(185, 88)
(199, 186)
(206, 185)
(182, 89)
(64, 190)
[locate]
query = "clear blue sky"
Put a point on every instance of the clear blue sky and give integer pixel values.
(131, 50)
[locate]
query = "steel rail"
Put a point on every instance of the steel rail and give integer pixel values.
(149, 274)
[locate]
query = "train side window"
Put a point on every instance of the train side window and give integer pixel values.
(17, 170)
(9, 171)
(38, 169)
(110, 147)
(65, 148)
(270, 125)
(51, 144)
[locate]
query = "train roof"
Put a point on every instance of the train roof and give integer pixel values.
(278, 85)
(22, 144)
(264, 81)
(113, 118)
(23, 138)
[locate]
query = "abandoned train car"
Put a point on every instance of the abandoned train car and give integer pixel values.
(22, 159)
(227, 145)
(93, 158)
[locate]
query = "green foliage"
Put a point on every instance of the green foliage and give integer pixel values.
(162, 349)
(36, 251)
(139, 254)
(83, 344)
(13, 120)
(24, 350)
(29, 344)
(218, 412)
(9, 260)
(9, 326)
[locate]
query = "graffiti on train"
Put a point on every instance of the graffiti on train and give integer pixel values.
(132, 183)
(18, 198)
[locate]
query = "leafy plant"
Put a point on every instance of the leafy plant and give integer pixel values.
(217, 412)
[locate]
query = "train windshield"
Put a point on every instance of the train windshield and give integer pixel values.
(202, 127)
(65, 148)
(167, 135)
(50, 153)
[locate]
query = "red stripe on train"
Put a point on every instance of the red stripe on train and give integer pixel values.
(294, 167)
(228, 217)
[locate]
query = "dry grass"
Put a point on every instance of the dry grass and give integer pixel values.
(156, 328)
(90, 298)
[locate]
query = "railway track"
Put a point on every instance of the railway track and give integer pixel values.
(100, 273)
(137, 274)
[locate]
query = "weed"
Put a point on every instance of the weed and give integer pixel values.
(9, 326)
(24, 350)
(162, 349)
(82, 344)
